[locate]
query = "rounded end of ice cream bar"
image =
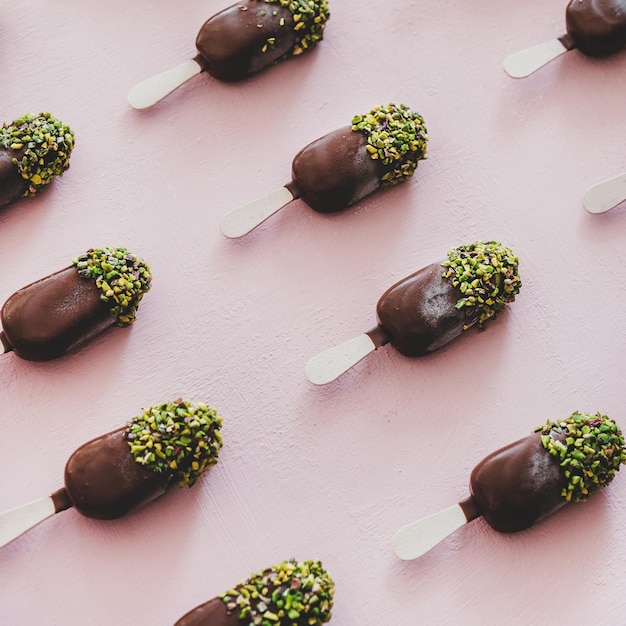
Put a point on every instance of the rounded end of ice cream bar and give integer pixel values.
(606, 195)
(589, 448)
(178, 440)
(243, 219)
(329, 365)
(397, 139)
(526, 62)
(152, 90)
(121, 277)
(293, 592)
(486, 273)
(40, 147)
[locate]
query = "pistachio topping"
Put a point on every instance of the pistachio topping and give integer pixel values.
(589, 448)
(486, 274)
(309, 21)
(42, 146)
(178, 439)
(122, 277)
(290, 593)
(397, 137)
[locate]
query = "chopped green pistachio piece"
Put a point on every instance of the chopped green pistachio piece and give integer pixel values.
(43, 146)
(397, 137)
(179, 439)
(589, 448)
(122, 277)
(290, 593)
(309, 21)
(486, 274)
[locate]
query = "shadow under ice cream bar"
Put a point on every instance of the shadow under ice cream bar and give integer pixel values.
(379, 149)
(431, 307)
(240, 41)
(595, 27)
(288, 594)
(107, 477)
(60, 312)
(520, 484)
(34, 150)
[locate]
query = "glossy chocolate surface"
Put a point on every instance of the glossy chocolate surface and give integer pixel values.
(596, 27)
(519, 484)
(53, 315)
(419, 313)
(211, 613)
(335, 171)
(231, 43)
(104, 481)
(12, 185)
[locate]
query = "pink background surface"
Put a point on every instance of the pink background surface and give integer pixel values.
(329, 472)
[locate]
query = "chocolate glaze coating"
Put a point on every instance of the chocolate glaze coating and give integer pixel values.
(419, 314)
(211, 613)
(53, 315)
(596, 27)
(335, 171)
(104, 481)
(12, 185)
(519, 484)
(230, 44)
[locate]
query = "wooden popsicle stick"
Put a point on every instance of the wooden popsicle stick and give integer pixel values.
(526, 62)
(606, 195)
(332, 363)
(243, 219)
(152, 90)
(417, 538)
(17, 521)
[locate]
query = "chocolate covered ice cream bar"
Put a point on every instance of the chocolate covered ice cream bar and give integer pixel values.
(520, 484)
(172, 443)
(240, 41)
(62, 311)
(597, 28)
(377, 150)
(431, 307)
(34, 150)
(288, 594)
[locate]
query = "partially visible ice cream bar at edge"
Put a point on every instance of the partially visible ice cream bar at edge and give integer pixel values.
(240, 41)
(525, 481)
(62, 311)
(34, 149)
(378, 149)
(290, 593)
(111, 475)
(595, 27)
(431, 307)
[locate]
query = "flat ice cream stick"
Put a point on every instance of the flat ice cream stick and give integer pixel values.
(242, 220)
(152, 90)
(417, 538)
(604, 196)
(526, 62)
(16, 522)
(332, 363)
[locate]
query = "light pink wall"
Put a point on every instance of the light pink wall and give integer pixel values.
(325, 473)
